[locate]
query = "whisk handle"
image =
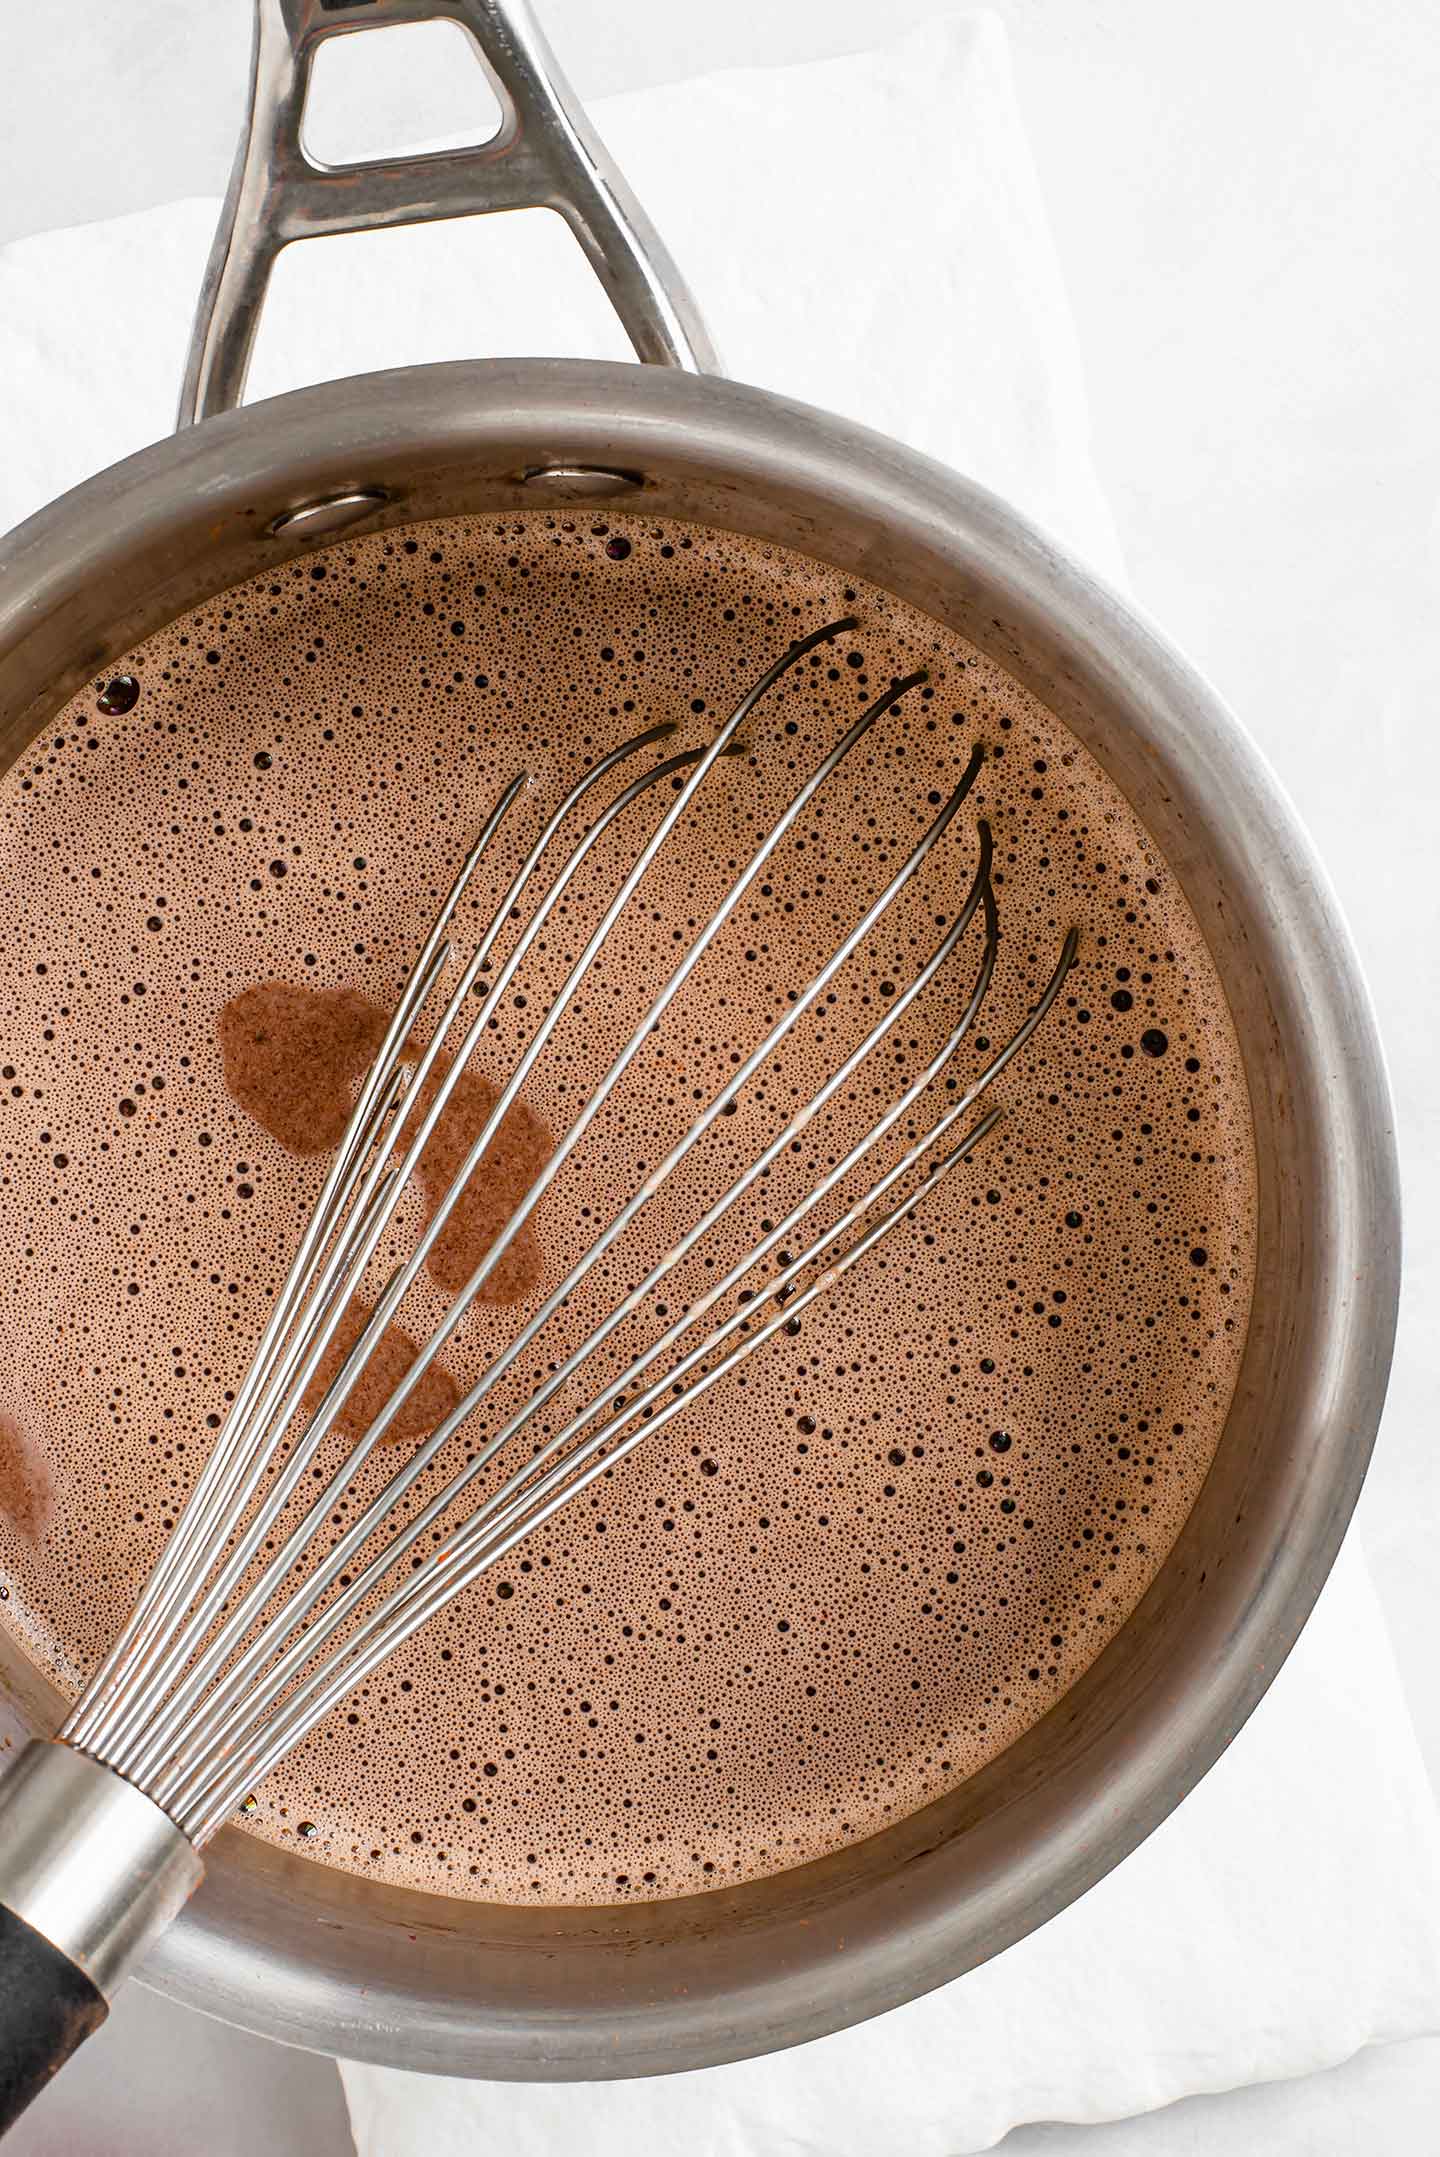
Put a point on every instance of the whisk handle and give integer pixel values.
(91, 1872)
(48, 2007)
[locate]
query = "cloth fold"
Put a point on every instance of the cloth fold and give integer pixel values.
(866, 233)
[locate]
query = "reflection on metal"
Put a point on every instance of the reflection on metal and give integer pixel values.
(332, 513)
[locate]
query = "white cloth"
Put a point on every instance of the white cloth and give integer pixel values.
(867, 233)
(1283, 1917)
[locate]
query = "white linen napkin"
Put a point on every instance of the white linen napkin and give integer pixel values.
(867, 233)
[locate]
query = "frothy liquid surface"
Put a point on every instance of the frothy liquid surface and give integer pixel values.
(860, 1567)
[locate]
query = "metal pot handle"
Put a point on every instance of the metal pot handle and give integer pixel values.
(545, 155)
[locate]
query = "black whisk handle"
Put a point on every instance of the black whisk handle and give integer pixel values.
(48, 2007)
(91, 1872)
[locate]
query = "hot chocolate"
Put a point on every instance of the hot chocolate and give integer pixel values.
(871, 1557)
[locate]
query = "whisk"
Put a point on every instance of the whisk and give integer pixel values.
(243, 1638)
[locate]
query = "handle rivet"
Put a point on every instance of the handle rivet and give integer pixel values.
(331, 513)
(579, 482)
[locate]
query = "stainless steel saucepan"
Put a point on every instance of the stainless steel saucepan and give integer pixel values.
(305, 1953)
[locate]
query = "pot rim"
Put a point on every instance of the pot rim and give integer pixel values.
(216, 490)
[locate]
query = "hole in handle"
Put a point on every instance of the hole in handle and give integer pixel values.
(402, 88)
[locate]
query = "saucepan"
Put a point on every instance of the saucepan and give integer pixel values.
(305, 1953)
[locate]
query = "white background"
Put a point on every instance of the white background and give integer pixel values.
(1246, 199)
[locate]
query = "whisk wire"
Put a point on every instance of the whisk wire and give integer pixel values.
(133, 1714)
(310, 1592)
(212, 1680)
(514, 1510)
(195, 1525)
(287, 1388)
(493, 1531)
(454, 1567)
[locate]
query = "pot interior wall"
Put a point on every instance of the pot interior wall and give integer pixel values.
(312, 1955)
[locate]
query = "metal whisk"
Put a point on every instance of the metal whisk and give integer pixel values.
(217, 1674)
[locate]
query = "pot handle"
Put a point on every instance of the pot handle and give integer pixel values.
(544, 155)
